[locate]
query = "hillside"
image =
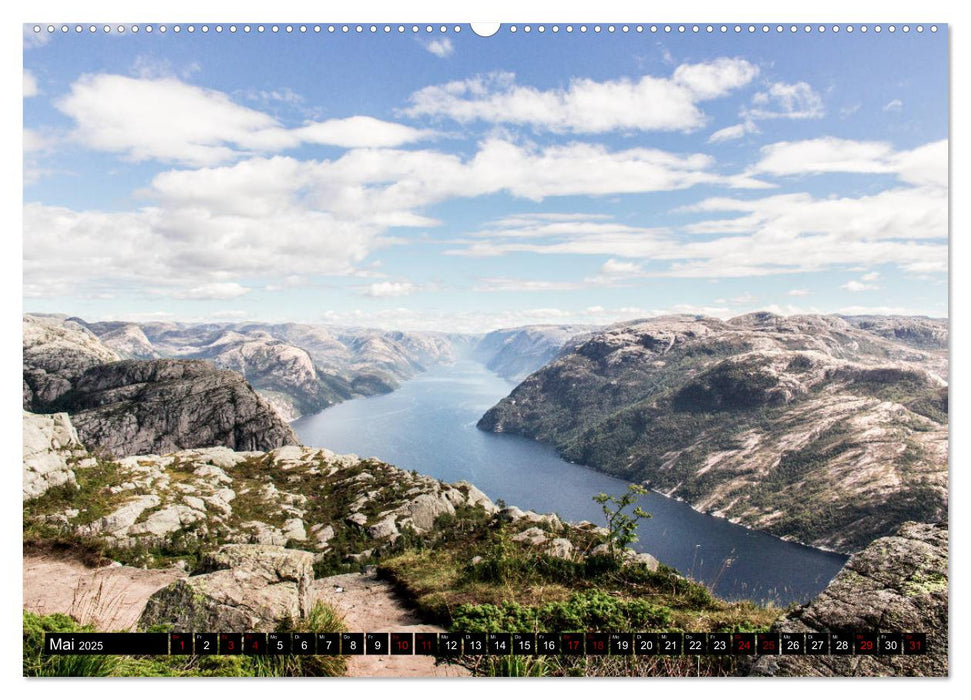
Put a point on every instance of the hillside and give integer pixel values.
(820, 429)
(124, 407)
(514, 353)
(300, 369)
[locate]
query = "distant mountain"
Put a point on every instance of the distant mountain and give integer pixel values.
(299, 368)
(127, 407)
(514, 353)
(820, 429)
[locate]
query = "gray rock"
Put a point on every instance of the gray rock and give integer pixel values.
(383, 528)
(48, 443)
(896, 584)
(118, 523)
(322, 534)
(262, 534)
(167, 520)
(511, 514)
(532, 536)
(423, 511)
(56, 352)
(293, 529)
(358, 519)
(160, 406)
(561, 548)
(249, 587)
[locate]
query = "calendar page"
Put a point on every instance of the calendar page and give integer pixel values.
(459, 350)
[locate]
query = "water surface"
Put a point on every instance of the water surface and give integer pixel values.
(429, 425)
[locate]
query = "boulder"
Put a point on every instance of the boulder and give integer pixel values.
(896, 584)
(322, 534)
(385, 527)
(533, 536)
(167, 520)
(251, 587)
(561, 548)
(423, 510)
(118, 522)
(48, 443)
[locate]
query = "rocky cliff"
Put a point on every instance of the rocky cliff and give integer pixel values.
(158, 406)
(299, 368)
(514, 353)
(56, 352)
(897, 584)
(812, 428)
(126, 407)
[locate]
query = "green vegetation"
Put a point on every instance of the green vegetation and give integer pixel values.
(321, 619)
(621, 526)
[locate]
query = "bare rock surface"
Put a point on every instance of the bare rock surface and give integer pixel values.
(249, 587)
(896, 584)
(51, 448)
(158, 406)
(824, 430)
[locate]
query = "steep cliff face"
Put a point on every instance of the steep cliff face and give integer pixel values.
(514, 353)
(157, 406)
(809, 427)
(897, 584)
(56, 352)
(125, 407)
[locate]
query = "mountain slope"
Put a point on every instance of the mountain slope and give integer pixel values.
(126, 407)
(299, 368)
(514, 353)
(808, 427)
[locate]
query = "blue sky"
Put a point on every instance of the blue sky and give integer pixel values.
(455, 182)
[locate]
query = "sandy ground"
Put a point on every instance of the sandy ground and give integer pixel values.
(111, 598)
(371, 605)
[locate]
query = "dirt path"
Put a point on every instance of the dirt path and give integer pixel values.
(371, 605)
(111, 598)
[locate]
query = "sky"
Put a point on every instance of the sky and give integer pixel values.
(446, 181)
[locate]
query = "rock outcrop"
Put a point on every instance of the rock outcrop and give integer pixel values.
(245, 588)
(51, 451)
(514, 353)
(56, 352)
(897, 584)
(158, 406)
(811, 428)
(340, 508)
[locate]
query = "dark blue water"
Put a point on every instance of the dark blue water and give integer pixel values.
(429, 425)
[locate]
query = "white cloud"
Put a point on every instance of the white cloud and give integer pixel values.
(510, 284)
(857, 286)
(30, 84)
(214, 290)
(440, 47)
(893, 106)
(798, 292)
(729, 133)
(34, 39)
(870, 277)
(786, 101)
(385, 290)
(925, 165)
(782, 234)
(168, 120)
(621, 269)
(588, 106)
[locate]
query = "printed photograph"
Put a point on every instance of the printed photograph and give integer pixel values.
(435, 351)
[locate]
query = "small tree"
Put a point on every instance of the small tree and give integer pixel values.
(622, 526)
